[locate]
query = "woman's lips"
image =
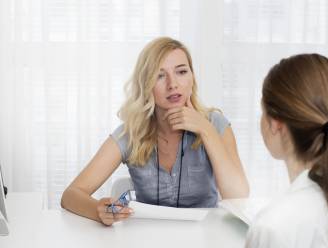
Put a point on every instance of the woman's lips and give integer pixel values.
(174, 98)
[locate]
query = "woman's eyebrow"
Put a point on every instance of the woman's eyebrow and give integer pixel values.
(177, 66)
(181, 65)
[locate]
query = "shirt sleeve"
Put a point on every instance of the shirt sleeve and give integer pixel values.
(219, 121)
(122, 142)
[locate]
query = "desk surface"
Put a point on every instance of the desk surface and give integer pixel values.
(59, 228)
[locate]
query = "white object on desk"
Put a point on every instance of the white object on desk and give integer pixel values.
(245, 209)
(147, 211)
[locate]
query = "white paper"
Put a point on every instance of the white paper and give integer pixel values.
(147, 211)
(245, 209)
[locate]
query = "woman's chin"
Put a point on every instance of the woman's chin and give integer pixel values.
(168, 106)
(176, 105)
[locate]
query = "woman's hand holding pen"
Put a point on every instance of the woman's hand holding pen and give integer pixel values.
(106, 216)
(186, 118)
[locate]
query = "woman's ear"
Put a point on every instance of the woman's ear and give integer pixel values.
(275, 126)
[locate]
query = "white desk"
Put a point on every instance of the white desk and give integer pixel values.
(58, 228)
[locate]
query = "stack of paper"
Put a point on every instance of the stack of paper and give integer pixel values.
(147, 211)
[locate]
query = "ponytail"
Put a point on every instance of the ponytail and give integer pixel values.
(319, 171)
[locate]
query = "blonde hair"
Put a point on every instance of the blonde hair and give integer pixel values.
(137, 113)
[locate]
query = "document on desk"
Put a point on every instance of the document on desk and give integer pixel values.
(245, 209)
(147, 211)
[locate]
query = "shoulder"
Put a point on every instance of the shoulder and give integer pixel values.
(295, 217)
(303, 206)
(217, 118)
(121, 140)
(118, 131)
(270, 227)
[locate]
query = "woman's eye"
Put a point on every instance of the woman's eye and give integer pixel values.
(183, 72)
(160, 76)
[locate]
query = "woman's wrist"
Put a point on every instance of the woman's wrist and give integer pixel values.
(207, 130)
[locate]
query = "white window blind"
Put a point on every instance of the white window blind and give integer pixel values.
(63, 65)
(70, 60)
(255, 36)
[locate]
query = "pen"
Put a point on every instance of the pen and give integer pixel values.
(118, 205)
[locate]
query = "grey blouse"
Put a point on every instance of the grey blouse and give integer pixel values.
(197, 187)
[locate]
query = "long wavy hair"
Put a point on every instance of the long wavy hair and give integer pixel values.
(296, 92)
(137, 112)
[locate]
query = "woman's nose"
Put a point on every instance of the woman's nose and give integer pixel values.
(172, 82)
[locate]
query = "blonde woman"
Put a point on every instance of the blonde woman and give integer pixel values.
(178, 152)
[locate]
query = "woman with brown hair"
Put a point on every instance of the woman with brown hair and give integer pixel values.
(294, 127)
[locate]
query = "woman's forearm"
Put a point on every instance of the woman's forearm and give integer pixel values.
(79, 202)
(230, 177)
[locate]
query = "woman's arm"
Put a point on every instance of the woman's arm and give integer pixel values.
(222, 152)
(221, 149)
(77, 197)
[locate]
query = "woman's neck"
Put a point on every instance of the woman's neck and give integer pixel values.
(295, 167)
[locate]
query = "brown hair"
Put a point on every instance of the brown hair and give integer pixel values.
(296, 92)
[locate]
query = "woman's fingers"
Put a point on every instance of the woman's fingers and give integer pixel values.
(174, 116)
(171, 111)
(110, 221)
(107, 216)
(105, 201)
